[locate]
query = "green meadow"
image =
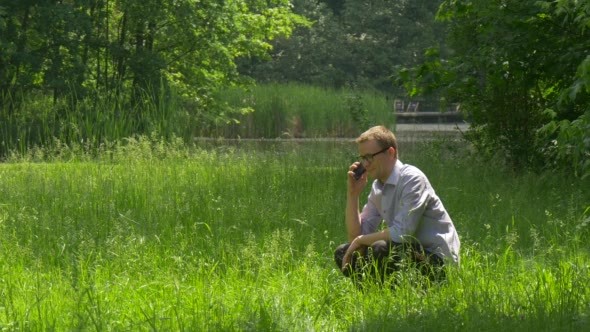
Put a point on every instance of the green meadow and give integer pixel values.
(239, 236)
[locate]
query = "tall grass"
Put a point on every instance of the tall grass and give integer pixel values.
(270, 111)
(37, 120)
(295, 110)
(161, 236)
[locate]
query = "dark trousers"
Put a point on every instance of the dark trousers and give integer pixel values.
(382, 259)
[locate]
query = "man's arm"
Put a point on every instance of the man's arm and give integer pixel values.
(354, 189)
(363, 241)
(353, 218)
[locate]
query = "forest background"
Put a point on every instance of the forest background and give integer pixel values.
(97, 71)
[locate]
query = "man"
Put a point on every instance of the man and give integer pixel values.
(419, 232)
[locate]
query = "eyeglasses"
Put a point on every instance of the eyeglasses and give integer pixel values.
(368, 158)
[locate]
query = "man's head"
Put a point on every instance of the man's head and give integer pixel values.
(378, 151)
(383, 136)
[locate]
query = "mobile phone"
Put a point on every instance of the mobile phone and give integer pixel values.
(358, 171)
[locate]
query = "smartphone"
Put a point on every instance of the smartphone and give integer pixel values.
(358, 171)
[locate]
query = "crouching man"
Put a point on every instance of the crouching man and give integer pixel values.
(419, 232)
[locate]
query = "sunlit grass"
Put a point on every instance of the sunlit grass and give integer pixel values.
(160, 236)
(295, 110)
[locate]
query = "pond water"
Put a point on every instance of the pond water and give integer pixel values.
(330, 150)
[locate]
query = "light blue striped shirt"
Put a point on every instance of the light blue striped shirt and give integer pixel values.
(407, 203)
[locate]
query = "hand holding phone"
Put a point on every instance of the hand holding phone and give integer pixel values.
(359, 171)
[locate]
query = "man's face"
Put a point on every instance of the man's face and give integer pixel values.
(378, 161)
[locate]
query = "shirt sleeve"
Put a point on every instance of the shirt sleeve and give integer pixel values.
(370, 217)
(410, 209)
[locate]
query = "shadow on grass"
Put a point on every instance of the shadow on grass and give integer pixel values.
(474, 320)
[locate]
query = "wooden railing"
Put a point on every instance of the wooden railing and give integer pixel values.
(411, 112)
(429, 117)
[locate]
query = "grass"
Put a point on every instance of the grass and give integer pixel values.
(296, 110)
(161, 236)
(264, 111)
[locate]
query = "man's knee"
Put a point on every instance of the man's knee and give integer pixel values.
(339, 253)
(380, 249)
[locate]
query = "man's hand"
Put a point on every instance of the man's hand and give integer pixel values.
(355, 187)
(360, 243)
(354, 246)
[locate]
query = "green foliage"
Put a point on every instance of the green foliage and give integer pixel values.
(568, 143)
(510, 61)
(351, 42)
(74, 57)
(358, 112)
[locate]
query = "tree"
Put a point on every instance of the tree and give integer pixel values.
(510, 62)
(133, 54)
(387, 34)
(351, 42)
(309, 55)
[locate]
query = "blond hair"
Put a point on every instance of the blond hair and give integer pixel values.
(384, 137)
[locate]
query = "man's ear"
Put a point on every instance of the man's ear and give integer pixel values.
(392, 151)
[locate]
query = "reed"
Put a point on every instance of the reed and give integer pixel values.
(37, 121)
(264, 111)
(295, 111)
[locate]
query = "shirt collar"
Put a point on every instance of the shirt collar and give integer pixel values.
(393, 178)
